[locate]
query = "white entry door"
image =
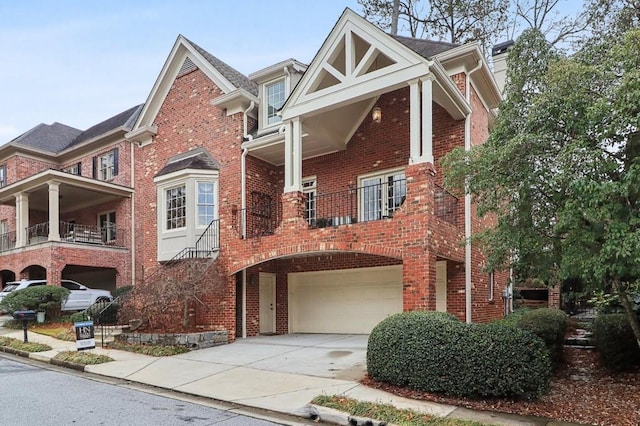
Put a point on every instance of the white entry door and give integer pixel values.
(267, 303)
(441, 286)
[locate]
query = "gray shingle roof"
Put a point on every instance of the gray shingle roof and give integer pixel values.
(57, 137)
(48, 137)
(425, 48)
(234, 76)
(199, 159)
(125, 119)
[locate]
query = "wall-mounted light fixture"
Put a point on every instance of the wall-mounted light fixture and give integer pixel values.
(376, 114)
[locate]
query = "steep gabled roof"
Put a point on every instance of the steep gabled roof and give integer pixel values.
(51, 138)
(234, 76)
(425, 48)
(184, 52)
(125, 119)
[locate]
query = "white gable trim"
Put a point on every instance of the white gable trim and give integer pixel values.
(180, 51)
(353, 82)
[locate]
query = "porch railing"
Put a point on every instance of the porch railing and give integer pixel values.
(7, 241)
(78, 233)
(445, 205)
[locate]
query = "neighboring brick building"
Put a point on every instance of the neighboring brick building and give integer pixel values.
(317, 188)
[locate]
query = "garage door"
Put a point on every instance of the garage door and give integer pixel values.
(344, 301)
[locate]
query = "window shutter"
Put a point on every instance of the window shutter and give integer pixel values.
(115, 162)
(95, 167)
(79, 168)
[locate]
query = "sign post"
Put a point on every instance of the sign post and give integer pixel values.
(85, 337)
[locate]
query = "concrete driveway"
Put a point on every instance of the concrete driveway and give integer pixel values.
(334, 356)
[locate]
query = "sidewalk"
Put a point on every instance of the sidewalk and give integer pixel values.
(230, 382)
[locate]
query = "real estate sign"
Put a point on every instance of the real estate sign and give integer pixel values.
(85, 337)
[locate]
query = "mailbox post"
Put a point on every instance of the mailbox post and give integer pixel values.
(25, 317)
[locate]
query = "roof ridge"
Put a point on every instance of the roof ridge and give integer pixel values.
(235, 77)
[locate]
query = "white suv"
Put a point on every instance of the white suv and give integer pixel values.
(80, 296)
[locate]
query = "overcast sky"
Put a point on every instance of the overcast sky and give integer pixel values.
(80, 62)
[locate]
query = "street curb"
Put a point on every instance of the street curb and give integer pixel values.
(318, 413)
(13, 351)
(67, 364)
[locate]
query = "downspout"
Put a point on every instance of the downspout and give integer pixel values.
(467, 202)
(243, 206)
(133, 215)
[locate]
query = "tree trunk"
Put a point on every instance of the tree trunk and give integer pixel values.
(394, 17)
(631, 315)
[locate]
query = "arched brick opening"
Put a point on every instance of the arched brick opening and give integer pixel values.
(314, 249)
(34, 272)
(7, 276)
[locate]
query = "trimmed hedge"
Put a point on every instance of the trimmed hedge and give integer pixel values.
(434, 352)
(616, 342)
(548, 324)
(38, 298)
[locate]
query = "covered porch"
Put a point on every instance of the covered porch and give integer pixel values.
(54, 206)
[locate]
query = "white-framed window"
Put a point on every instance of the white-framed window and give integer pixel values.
(3, 176)
(176, 207)
(74, 169)
(205, 203)
(107, 224)
(309, 190)
(105, 166)
(491, 284)
(380, 195)
(274, 97)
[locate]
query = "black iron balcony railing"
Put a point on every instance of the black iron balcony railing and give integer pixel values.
(361, 204)
(445, 205)
(7, 241)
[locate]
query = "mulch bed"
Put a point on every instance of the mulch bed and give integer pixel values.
(582, 391)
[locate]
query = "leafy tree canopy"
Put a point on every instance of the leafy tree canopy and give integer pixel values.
(560, 171)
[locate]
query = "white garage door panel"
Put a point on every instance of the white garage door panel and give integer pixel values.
(346, 301)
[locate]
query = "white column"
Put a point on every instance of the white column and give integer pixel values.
(427, 120)
(414, 122)
(22, 218)
(54, 211)
(293, 156)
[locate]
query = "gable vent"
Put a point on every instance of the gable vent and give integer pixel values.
(187, 67)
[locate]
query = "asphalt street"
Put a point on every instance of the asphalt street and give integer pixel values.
(32, 394)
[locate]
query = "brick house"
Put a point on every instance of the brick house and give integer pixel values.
(315, 189)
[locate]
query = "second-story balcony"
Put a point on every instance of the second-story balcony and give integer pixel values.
(357, 205)
(60, 197)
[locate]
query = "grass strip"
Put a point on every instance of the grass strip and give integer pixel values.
(386, 412)
(19, 345)
(152, 350)
(82, 358)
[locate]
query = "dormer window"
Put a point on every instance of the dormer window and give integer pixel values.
(274, 95)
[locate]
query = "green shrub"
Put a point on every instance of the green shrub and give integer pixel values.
(434, 352)
(78, 317)
(121, 291)
(548, 324)
(38, 298)
(512, 318)
(616, 342)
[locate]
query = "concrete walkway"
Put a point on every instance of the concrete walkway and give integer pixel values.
(277, 373)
